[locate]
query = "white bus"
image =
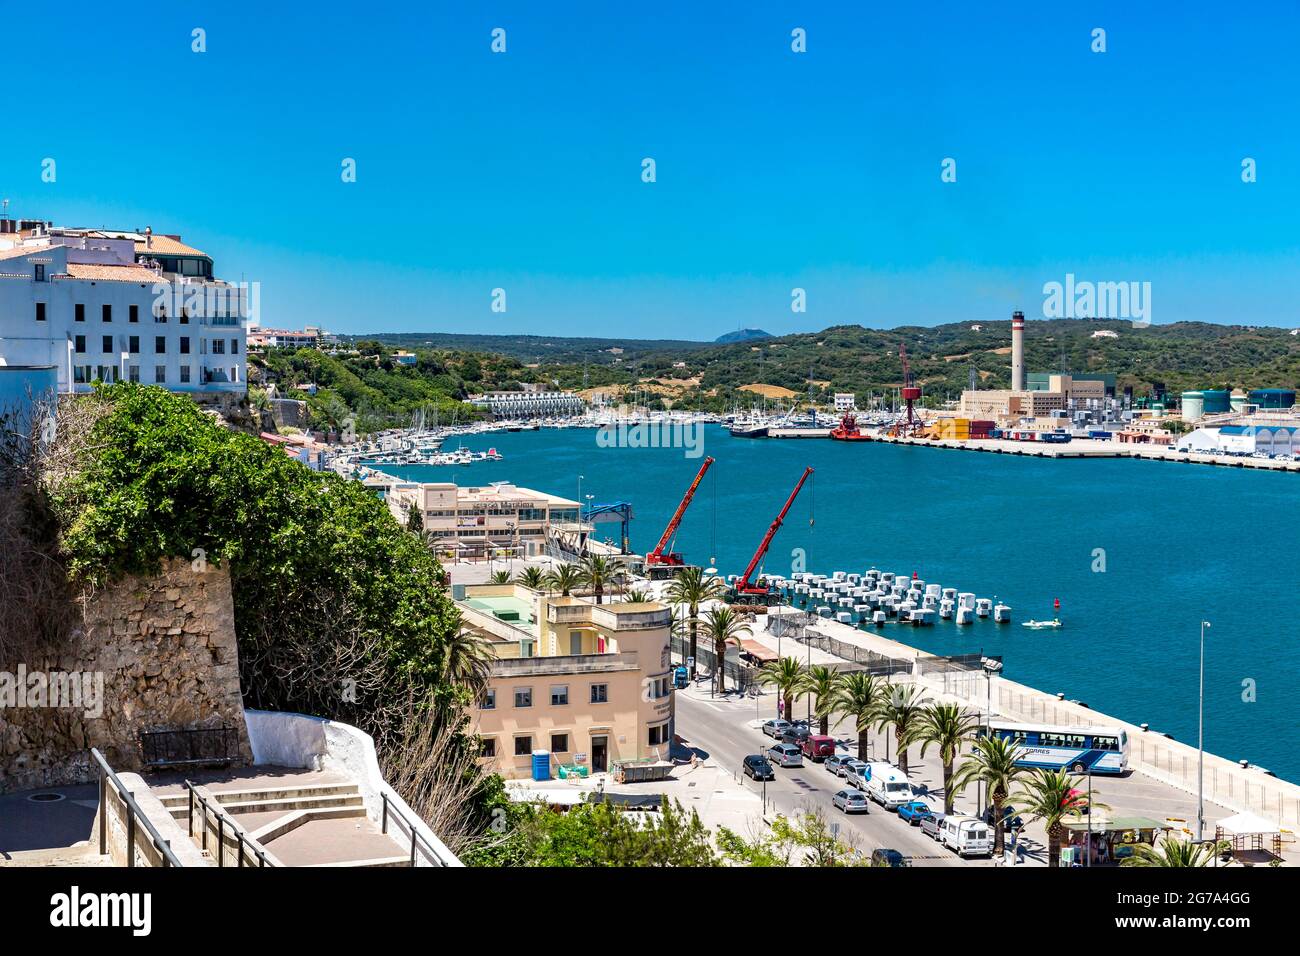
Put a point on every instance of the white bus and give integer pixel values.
(1077, 749)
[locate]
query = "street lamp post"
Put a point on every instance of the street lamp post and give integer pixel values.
(1200, 744)
(1087, 857)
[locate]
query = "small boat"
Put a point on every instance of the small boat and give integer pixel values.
(1041, 624)
(847, 430)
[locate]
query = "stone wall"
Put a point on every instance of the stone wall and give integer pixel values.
(165, 651)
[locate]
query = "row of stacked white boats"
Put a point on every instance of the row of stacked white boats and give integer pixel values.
(877, 596)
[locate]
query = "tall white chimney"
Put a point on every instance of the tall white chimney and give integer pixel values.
(1017, 351)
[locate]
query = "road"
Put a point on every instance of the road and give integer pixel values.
(720, 732)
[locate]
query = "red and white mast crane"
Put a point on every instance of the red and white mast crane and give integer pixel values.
(662, 553)
(910, 392)
(745, 591)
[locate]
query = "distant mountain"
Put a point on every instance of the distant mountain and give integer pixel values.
(742, 335)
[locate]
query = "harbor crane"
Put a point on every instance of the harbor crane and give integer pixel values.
(910, 393)
(663, 556)
(758, 592)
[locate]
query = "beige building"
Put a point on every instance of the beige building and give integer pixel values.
(1005, 404)
(501, 518)
(589, 684)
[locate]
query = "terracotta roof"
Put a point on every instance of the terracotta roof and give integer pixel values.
(166, 246)
(22, 251)
(78, 270)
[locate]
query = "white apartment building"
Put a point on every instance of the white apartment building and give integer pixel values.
(479, 521)
(106, 306)
(530, 403)
(845, 401)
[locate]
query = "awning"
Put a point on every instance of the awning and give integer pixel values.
(756, 650)
(1245, 823)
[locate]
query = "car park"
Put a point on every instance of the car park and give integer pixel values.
(930, 825)
(785, 755)
(914, 811)
(759, 767)
(775, 728)
(887, 857)
(851, 800)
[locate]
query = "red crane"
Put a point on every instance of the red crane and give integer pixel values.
(661, 557)
(743, 588)
(910, 392)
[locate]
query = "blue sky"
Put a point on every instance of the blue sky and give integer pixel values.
(775, 170)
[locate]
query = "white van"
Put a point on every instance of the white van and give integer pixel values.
(887, 785)
(965, 835)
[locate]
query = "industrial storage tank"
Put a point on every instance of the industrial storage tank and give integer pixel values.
(1238, 400)
(1193, 406)
(1272, 397)
(1216, 400)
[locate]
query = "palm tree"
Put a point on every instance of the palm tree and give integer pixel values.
(564, 578)
(724, 626)
(597, 570)
(1050, 796)
(468, 660)
(946, 725)
(858, 696)
(821, 682)
(992, 763)
(532, 577)
(787, 676)
(902, 707)
(690, 589)
(637, 597)
(1173, 852)
(500, 577)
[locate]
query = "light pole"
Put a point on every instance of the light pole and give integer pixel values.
(1087, 853)
(1200, 745)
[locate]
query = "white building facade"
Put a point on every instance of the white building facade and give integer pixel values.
(106, 306)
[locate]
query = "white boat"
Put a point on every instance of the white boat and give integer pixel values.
(1041, 624)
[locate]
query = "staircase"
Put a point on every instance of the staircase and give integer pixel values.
(314, 824)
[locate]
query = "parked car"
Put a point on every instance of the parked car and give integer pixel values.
(775, 728)
(1010, 819)
(886, 857)
(785, 755)
(759, 767)
(930, 825)
(850, 768)
(851, 801)
(914, 811)
(795, 734)
(835, 763)
(817, 747)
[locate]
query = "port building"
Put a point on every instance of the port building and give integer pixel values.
(531, 402)
(102, 305)
(481, 521)
(574, 686)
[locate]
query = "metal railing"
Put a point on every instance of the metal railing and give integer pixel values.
(165, 748)
(244, 845)
(134, 813)
(418, 840)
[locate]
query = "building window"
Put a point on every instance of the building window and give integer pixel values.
(487, 747)
(107, 312)
(40, 311)
(559, 743)
(134, 314)
(185, 345)
(559, 695)
(160, 313)
(185, 316)
(658, 735)
(185, 375)
(133, 343)
(108, 344)
(39, 272)
(523, 697)
(134, 372)
(79, 312)
(218, 347)
(79, 343)
(79, 375)
(160, 374)
(489, 701)
(600, 693)
(575, 642)
(159, 344)
(523, 746)
(234, 346)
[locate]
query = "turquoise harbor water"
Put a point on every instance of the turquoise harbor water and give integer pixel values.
(1180, 542)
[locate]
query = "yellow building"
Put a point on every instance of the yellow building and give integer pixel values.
(476, 521)
(591, 684)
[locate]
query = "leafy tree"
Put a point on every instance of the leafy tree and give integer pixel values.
(598, 571)
(532, 577)
(1172, 852)
(499, 577)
